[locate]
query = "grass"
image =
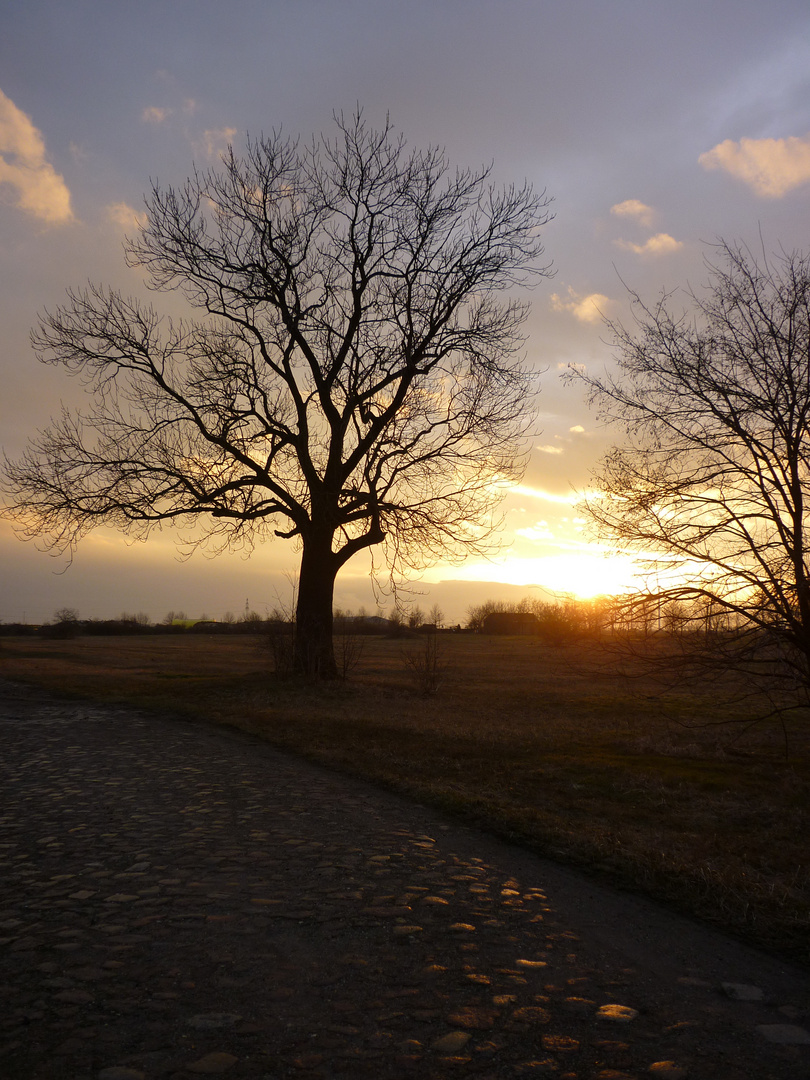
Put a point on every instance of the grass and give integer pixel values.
(543, 745)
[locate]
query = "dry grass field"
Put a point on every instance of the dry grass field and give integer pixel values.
(544, 745)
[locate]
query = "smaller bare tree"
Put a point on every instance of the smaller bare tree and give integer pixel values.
(712, 481)
(66, 615)
(426, 662)
(66, 623)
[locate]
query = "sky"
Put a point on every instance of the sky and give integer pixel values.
(656, 128)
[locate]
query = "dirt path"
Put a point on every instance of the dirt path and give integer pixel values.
(178, 900)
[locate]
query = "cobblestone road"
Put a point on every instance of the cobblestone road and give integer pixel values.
(178, 900)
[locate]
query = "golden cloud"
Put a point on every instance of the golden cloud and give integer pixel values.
(126, 216)
(217, 141)
(633, 208)
(567, 499)
(155, 115)
(660, 244)
(540, 531)
(40, 190)
(772, 167)
(588, 309)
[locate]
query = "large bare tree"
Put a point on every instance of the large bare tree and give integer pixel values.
(350, 374)
(712, 480)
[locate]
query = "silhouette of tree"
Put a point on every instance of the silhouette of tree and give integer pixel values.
(713, 478)
(350, 378)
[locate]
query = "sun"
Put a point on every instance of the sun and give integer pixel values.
(587, 575)
(583, 574)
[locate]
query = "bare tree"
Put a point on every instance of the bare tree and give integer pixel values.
(477, 613)
(66, 615)
(351, 378)
(713, 478)
(66, 623)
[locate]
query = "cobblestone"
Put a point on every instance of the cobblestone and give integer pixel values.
(180, 900)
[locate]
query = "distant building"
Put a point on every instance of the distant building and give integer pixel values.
(511, 622)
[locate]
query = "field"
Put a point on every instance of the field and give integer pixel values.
(544, 745)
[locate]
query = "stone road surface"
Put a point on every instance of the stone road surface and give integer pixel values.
(178, 900)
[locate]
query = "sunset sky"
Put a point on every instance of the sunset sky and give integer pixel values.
(656, 128)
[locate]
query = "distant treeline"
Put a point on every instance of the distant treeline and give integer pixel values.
(120, 627)
(630, 614)
(552, 621)
(67, 624)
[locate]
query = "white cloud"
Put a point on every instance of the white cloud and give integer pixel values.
(772, 167)
(660, 244)
(155, 115)
(577, 429)
(40, 190)
(126, 216)
(588, 309)
(549, 449)
(633, 208)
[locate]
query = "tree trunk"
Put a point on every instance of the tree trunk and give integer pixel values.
(314, 650)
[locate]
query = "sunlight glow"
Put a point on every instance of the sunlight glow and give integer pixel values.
(568, 498)
(580, 574)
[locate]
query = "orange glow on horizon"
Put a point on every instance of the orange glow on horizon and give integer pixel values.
(584, 574)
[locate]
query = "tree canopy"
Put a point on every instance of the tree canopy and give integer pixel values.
(350, 375)
(712, 480)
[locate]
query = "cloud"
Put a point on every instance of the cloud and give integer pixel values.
(577, 429)
(660, 244)
(549, 449)
(126, 216)
(568, 499)
(540, 531)
(41, 191)
(588, 309)
(155, 115)
(632, 208)
(216, 142)
(772, 167)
